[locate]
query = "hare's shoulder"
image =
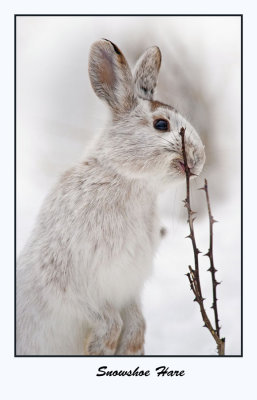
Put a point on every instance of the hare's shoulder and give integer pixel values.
(91, 181)
(84, 180)
(91, 188)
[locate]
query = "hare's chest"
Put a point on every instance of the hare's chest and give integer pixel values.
(146, 230)
(126, 273)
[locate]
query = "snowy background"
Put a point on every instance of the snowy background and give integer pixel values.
(58, 115)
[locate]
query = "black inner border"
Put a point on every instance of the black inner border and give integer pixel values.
(15, 175)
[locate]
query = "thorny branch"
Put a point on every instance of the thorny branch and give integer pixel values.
(210, 255)
(193, 274)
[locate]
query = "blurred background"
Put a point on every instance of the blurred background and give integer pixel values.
(58, 116)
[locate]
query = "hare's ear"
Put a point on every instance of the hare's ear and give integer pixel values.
(146, 72)
(110, 76)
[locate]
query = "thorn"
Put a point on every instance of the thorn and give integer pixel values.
(192, 212)
(213, 220)
(202, 299)
(195, 299)
(207, 254)
(203, 188)
(217, 283)
(189, 236)
(198, 251)
(211, 269)
(204, 326)
(191, 173)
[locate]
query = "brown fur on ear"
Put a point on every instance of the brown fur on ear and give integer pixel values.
(110, 76)
(155, 104)
(146, 72)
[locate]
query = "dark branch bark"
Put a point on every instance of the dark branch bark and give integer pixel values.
(210, 255)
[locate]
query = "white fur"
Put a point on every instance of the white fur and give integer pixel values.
(94, 241)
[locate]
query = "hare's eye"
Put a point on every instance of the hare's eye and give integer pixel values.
(161, 124)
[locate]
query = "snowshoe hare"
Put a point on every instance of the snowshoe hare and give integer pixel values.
(81, 274)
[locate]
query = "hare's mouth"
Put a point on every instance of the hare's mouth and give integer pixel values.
(179, 166)
(182, 166)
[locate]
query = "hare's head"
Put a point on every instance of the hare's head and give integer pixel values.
(143, 139)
